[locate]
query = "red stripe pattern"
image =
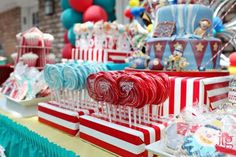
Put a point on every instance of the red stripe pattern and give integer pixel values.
(117, 136)
(100, 55)
(59, 118)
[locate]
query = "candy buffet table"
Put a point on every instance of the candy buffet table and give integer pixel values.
(74, 144)
(157, 149)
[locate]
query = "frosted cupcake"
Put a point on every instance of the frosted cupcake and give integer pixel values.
(51, 59)
(33, 38)
(30, 59)
(48, 39)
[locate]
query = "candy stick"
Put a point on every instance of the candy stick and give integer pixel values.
(119, 112)
(140, 116)
(114, 111)
(148, 113)
(73, 53)
(130, 121)
(135, 118)
(108, 111)
(77, 54)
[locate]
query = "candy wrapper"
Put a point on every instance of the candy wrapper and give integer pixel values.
(25, 83)
(198, 132)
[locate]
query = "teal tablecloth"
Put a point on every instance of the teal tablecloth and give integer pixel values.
(18, 141)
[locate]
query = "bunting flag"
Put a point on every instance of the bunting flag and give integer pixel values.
(215, 47)
(199, 49)
(159, 48)
(176, 43)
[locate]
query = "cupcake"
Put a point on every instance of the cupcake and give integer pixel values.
(30, 59)
(32, 38)
(14, 57)
(48, 40)
(50, 58)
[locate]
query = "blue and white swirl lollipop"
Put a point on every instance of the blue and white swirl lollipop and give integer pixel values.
(71, 80)
(53, 76)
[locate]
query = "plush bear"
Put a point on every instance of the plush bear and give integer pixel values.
(203, 27)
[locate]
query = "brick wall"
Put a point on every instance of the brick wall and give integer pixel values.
(10, 25)
(51, 24)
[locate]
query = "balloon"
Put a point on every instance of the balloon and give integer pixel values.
(108, 5)
(80, 5)
(137, 11)
(67, 51)
(232, 59)
(65, 4)
(227, 31)
(134, 3)
(94, 14)
(69, 17)
(172, 1)
(71, 36)
(127, 13)
(111, 17)
(66, 40)
(232, 69)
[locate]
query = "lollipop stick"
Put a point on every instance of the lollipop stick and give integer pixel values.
(148, 113)
(129, 110)
(135, 118)
(108, 111)
(139, 115)
(114, 111)
(120, 113)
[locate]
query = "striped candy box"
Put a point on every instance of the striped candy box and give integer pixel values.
(118, 137)
(100, 55)
(188, 88)
(59, 118)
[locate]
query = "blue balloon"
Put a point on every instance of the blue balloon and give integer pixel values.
(111, 17)
(65, 4)
(108, 5)
(172, 1)
(71, 36)
(69, 17)
(137, 11)
(218, 25)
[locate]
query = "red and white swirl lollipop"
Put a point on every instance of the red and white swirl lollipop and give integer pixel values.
(131, 91)
(106, 88)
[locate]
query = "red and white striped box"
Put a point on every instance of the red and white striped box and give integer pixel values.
(100, 55)
(118, 137)
(59, 118)
(189, 88)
